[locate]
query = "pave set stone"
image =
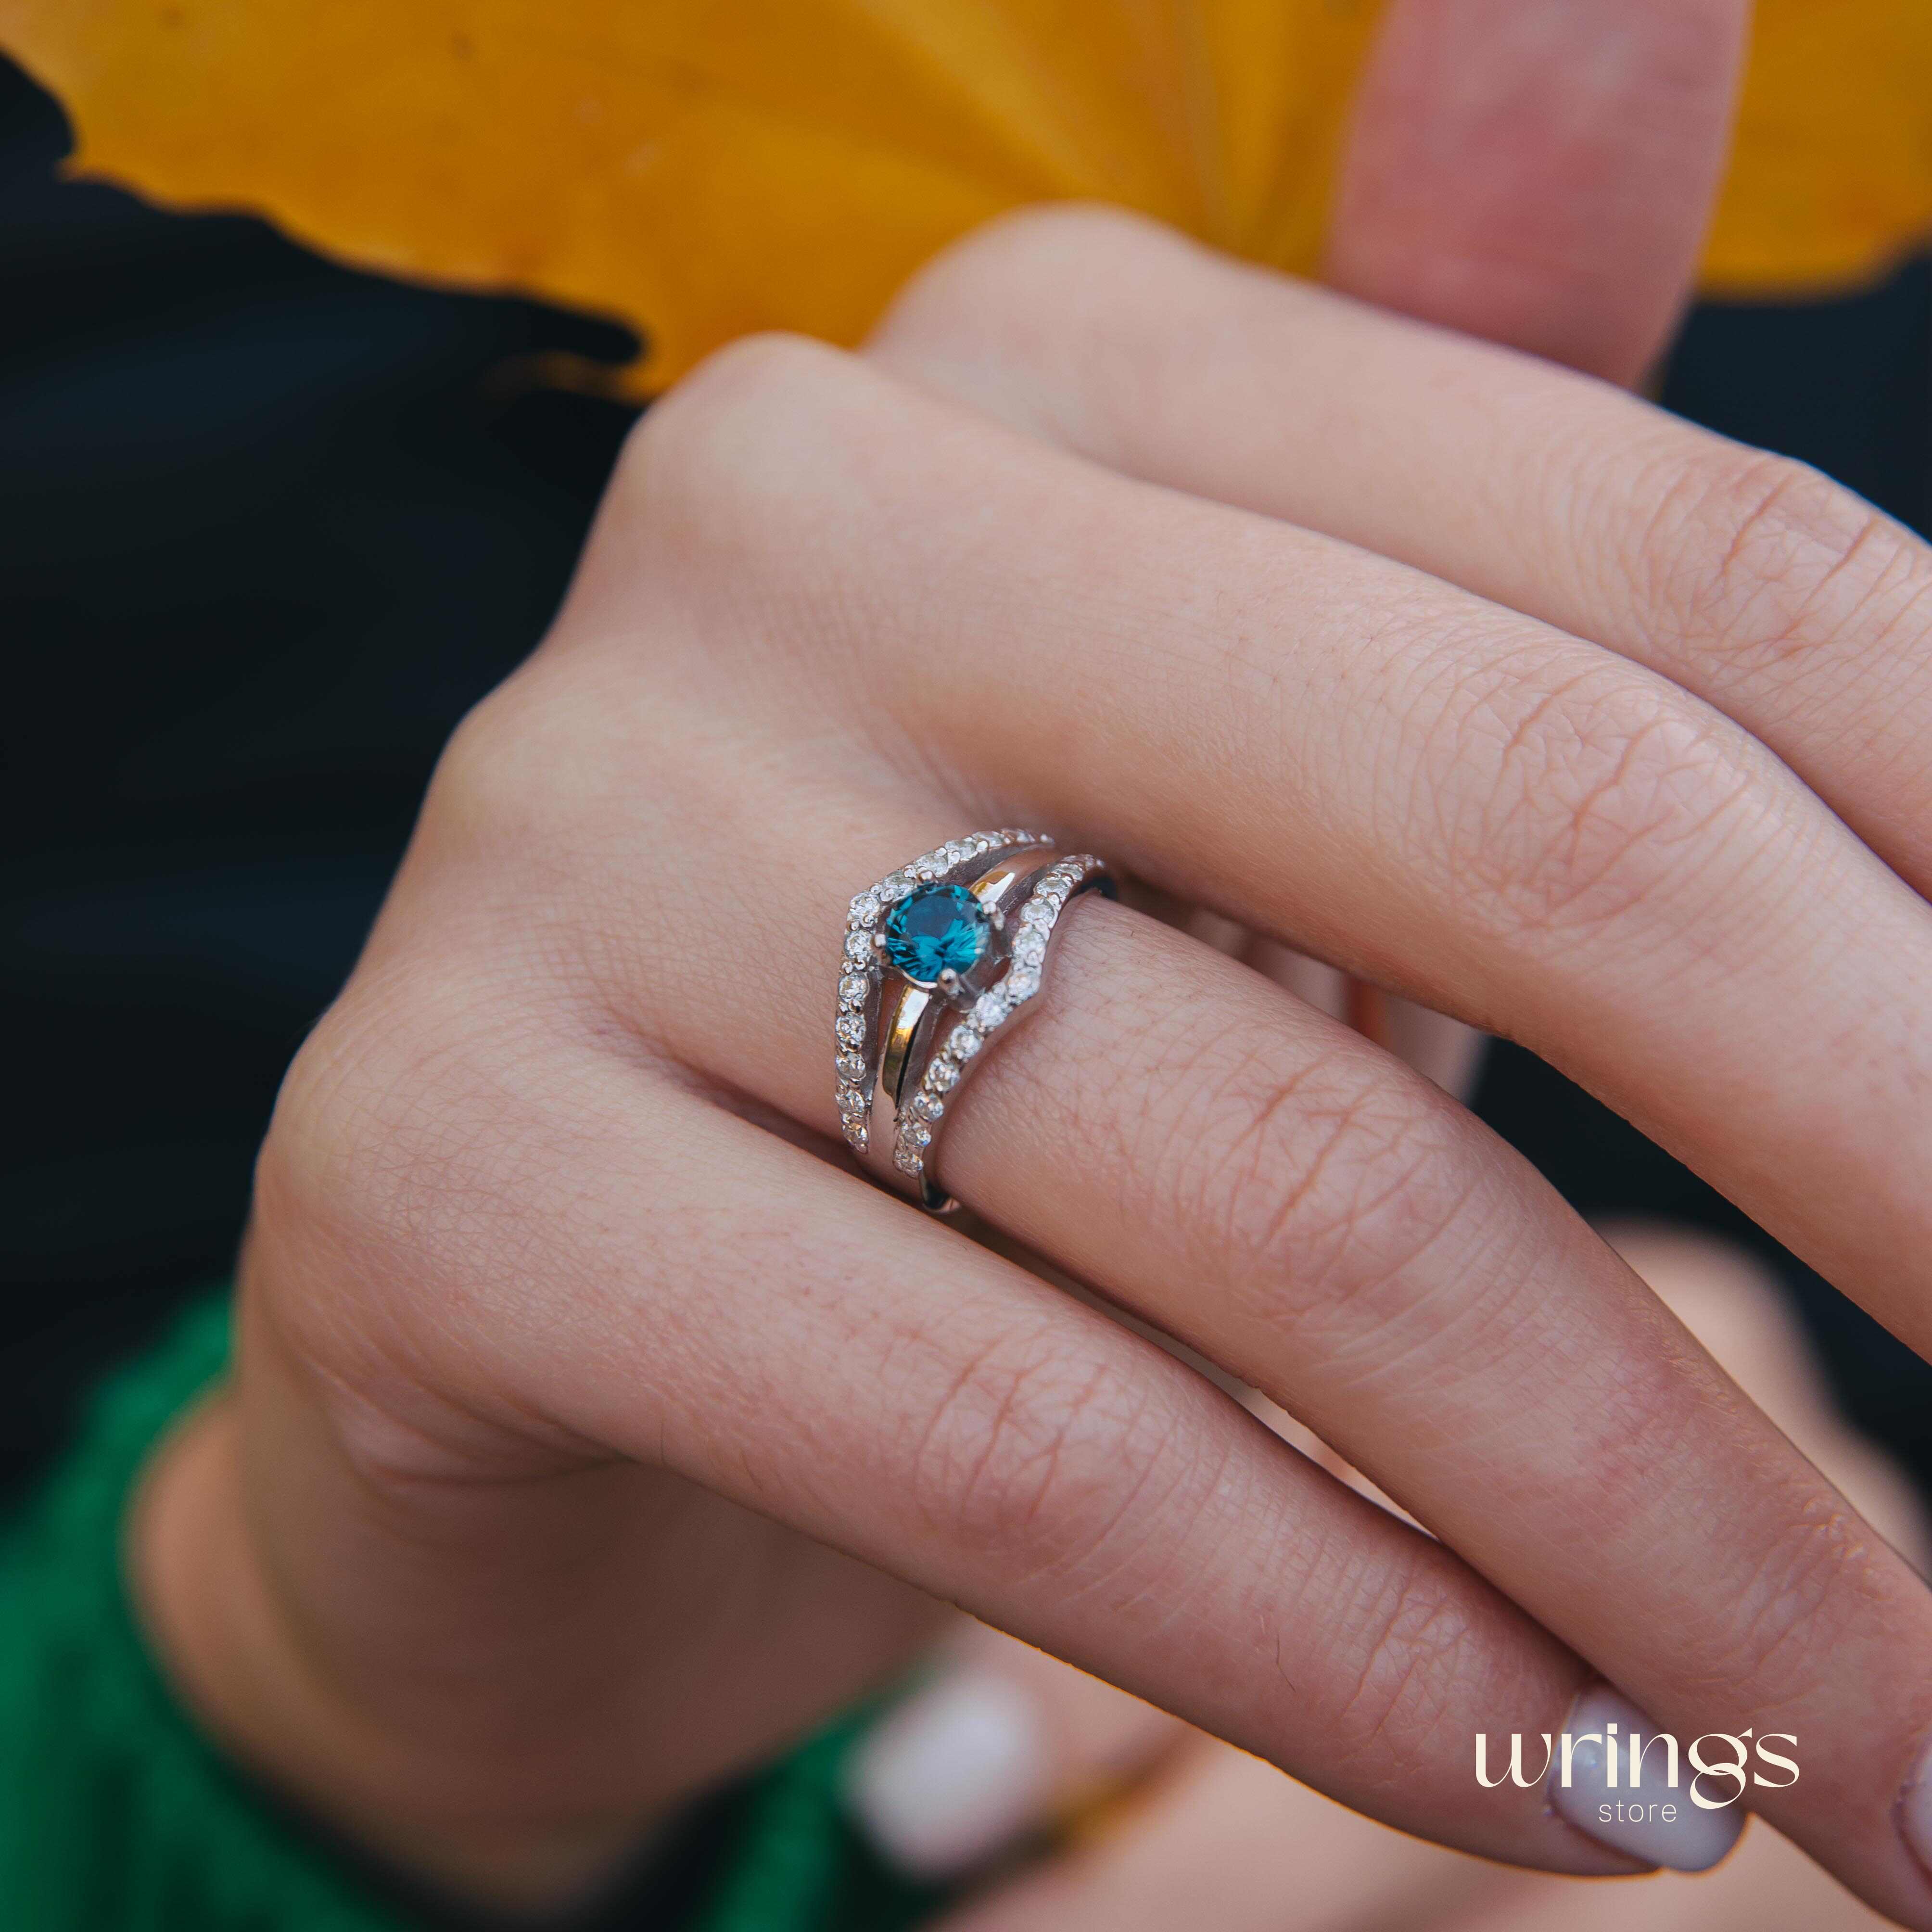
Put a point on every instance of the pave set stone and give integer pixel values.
(862, 967)
(1037, 915)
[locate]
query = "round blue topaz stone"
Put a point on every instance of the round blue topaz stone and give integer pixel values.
(935, 930)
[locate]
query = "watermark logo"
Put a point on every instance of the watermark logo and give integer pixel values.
(1713, 1771)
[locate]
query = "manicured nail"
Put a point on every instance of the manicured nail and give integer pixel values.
(1914, 1812)
(1645, 1817)
(955, 1773)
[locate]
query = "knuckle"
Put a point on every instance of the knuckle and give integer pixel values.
(1317, 1184)
(483, 773)
(1812, 1586)
(1035, 1458)
(1764, 560)
(730, 521)
(745, 381)
(1038, 318)
(1016, 254)
(530, 788)
(749, 420)
(371, 1113)
(421, 1144)
(1408, 1673)
(1597, 795)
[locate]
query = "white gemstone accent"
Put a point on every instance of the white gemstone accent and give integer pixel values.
(941, 1074)
(1022, 983)
(859, 946)
(1034, 914)
(894, 885)
(850, 1068)
(1030, 948)
(919, 1136)
(966, 1041)
(851, 1028)
(928, 1106)
(864, 909)
(852, 988)
(989, 1009)
(851, 1101)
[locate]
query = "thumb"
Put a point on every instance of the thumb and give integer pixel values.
(1540, 173)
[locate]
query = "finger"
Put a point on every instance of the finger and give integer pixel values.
(688, 1291)
(895, 541)
(1738, 1313)
(1000, 1744)
(1493, 816)
(1756, 583)
(1224, 1841)
(1253, 1179)
(1539, 174)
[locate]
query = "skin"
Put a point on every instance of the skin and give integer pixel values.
(1205, 1835)
(595, 1429)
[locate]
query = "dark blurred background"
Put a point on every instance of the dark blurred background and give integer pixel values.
(268, 527)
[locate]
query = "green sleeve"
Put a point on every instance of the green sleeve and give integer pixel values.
(115, 1816)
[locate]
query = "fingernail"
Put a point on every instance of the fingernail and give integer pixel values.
(1914, 1812)
(1649, 1819)
(953, 1774)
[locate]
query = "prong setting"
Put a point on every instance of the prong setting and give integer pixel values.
(865, 962)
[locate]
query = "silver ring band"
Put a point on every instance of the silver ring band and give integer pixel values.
(939, 957)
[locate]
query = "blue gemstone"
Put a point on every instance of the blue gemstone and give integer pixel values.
(934, 929)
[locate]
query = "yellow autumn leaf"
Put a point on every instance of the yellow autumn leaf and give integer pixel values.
(700, 168)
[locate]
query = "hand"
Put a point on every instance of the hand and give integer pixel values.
(1204, 1835)
(596, 1428)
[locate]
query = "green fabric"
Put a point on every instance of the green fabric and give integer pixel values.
(115, 1816)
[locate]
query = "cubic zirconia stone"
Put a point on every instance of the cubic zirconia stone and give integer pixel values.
(939, 928)
(928, 1106)
(941, 1074)
(858, 947)
(894, 885)
(850, 1066)
(853, 987)
(1034, 914)
(966, 1041)
(1030, 948)
(851, 1101)
(1022, 983)
(851, 1028)
(919, 1136)
(989, 1009)
(864, 909)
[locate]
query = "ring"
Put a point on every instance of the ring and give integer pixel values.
(939, 957)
